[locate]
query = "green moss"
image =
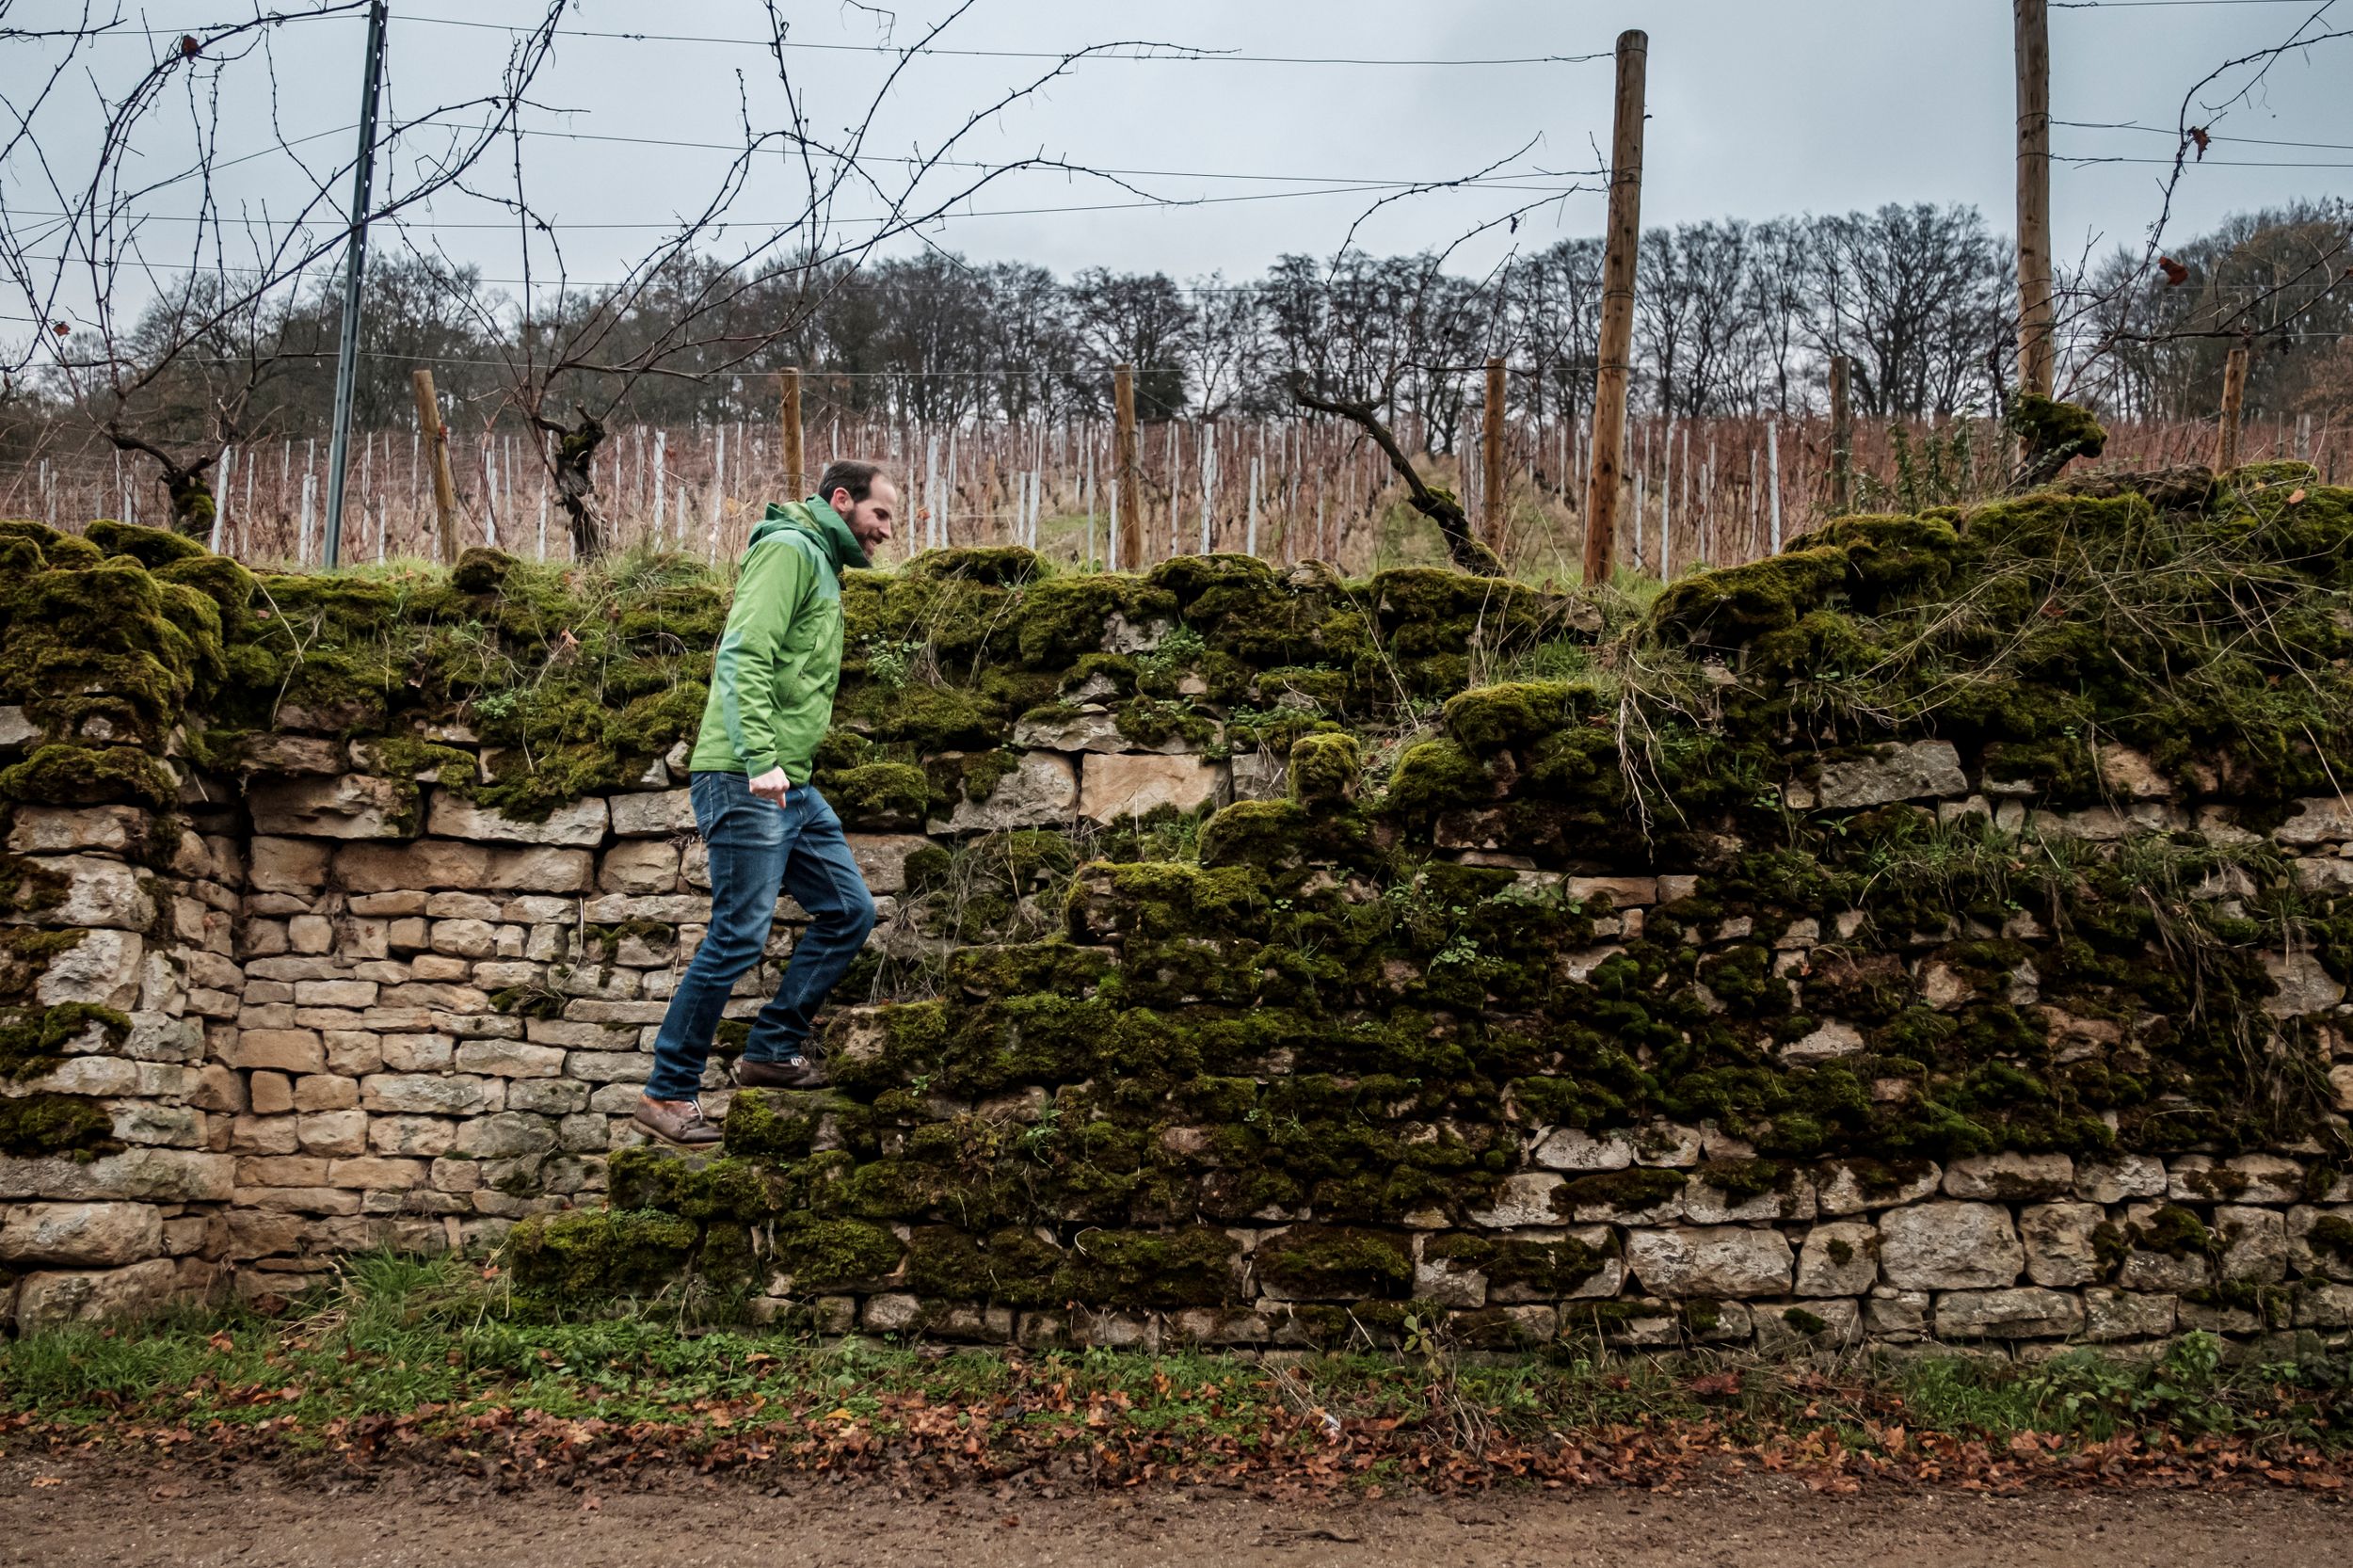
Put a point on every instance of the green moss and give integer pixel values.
(1333, 1263)
(2175, 1231)
(33, 1039)
(43, 1126)
(1633, 1189)
(586, 1255)
(1435, 776)
(883, 796)
(772, 1126)
(824, 1254)
(150, 547)
(1191, 1266)
(480, 571)
(89, 775)
(1804, 1322)
(1741, 1180)
(1324, 769)
(2332, 1236)
(705, 1191)
(1012, 1266)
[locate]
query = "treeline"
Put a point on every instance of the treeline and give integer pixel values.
(1731, 317)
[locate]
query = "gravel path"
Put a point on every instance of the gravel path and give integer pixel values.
(105, 1515)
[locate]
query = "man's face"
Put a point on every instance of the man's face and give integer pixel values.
(871, 518)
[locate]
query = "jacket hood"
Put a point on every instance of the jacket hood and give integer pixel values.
(813, 516)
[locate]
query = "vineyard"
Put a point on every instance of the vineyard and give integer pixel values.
(1721, 491)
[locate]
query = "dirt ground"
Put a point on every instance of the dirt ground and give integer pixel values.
(91, 1513)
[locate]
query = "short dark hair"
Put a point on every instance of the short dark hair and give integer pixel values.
(848, 474)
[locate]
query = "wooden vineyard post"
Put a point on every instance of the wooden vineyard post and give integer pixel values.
(2036, 350)
(2234, 401)
(1491, 455)
(1617, 309)
(1131, 485)
(789, 436)
(1841, 437)
(444, 489)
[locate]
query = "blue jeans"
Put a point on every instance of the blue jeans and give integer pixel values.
(757, 849)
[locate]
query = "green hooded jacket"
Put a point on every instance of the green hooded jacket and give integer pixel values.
(772, 683)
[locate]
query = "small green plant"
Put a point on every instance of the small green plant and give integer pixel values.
(890, 663)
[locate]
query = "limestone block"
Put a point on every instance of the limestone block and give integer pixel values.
(465, 939)
(1707, 1204)
(80, 1235)
(1088, 728)
(580, 823)
(509, 1059)
(1710, 1261)
(410, 1135)
(345, 805)
(2010, 1176)
(324, 1092)
(274, 865)
(2022, 1312)
(2058, 1241)
(2242, 1178)
(656, 814)
(97, 892)
(1571, 1148)
(1115, 786)
(1896, 1315)
(335, 993)
(2300, 985)
(154, 1176)
(47, 1301)
(2321, 820)
(1950, 1246)
(2120, 1177)
(377, 1173)
(330, 1132)
(505, 1135)
(285, 1050)
(1260, 774)
(1041, 792)
(609, 1066)
(1831, 1040)
(16, 730)
(1815, 1323)
(2110, 1315)
(2330, 1306)
(1841, 1257)
(1857, 1186)
(428, 1093)
(1521, 1200)
(645, 866)
(2254, 1244)
(450, 863)
(2131, 774)
(1919, 770)
(2311, 1257)
(549, 1097)
(69, 829)
(103, 969)
(1667, 1143)
(882, 858)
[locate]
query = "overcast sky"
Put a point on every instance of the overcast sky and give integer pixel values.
(1758, 107)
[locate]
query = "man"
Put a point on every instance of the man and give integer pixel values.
(768, 829)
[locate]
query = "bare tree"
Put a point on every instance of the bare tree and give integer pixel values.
(93, 248)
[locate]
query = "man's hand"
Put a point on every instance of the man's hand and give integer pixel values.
(771, 786)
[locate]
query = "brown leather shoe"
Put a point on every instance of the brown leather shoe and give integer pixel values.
(678, 1122)
(802, 1072)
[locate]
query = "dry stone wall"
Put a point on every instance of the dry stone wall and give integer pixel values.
(1221, 1017)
